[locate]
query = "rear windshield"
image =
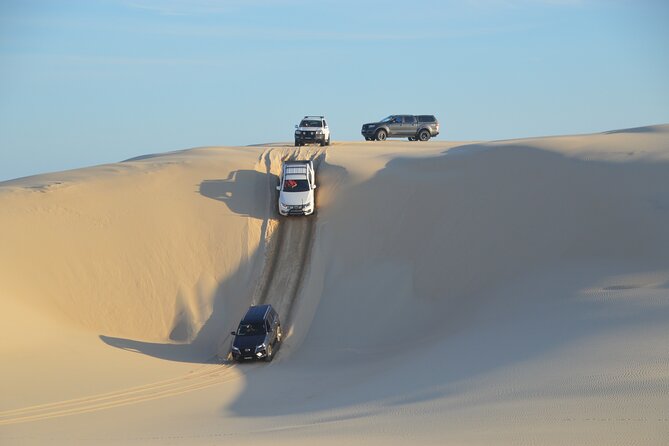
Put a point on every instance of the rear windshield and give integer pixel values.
(311, 123)
(254, 329)
(426, 118)
(295, 185)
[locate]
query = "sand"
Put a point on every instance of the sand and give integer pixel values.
(465, 293)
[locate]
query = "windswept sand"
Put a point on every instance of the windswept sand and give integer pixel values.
(507, 292)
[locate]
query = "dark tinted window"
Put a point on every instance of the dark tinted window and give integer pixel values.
(409, 119)
(426, 118)
(253, 329)
(311, 123)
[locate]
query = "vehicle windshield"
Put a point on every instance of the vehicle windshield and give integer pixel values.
(251, 329)
(311, 123)
(295, 186)
(389, 118)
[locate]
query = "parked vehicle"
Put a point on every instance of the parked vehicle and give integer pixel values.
(413, 127)
(296, 188)
(312, 130)
(258, 335)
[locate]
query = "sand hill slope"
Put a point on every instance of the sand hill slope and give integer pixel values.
(507, 292)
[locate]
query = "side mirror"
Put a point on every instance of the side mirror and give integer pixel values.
(313, 186)
(233, 333)
(295, 125)
(278, 188)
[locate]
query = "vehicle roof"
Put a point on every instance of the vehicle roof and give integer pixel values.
(256, 313)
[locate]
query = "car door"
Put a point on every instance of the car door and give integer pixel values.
(395, 126)
(409, 125)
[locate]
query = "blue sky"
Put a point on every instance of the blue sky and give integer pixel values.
(88, 82)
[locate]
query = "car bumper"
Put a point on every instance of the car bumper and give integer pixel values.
(368, 133)
(309, 138)
(240, 357)
(295, 212)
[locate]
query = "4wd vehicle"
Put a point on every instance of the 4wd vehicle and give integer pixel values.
(258, 335)
(414, 127)
(312, 129)
(296, 188)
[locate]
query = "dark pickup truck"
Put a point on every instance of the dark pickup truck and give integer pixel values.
(414, 127)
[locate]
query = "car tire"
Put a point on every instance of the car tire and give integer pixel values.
(411, 138)
(327, 143)
(270, 353)
(381, 135)
(297, 143)
(279, 334)
(423, 135)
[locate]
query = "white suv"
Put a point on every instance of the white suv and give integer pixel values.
(312, 129)
(296, 188)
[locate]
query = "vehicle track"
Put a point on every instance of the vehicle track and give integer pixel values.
(291, 239)
(201, 378)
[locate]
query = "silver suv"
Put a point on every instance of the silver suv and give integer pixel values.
(414, 127)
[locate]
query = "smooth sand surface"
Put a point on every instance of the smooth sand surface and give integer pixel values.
(506, 292)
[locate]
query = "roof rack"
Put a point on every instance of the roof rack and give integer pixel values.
(314, 116)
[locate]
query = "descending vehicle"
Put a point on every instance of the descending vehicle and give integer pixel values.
(296, 188)
(258, 335)
(312, 129)
(414, 127)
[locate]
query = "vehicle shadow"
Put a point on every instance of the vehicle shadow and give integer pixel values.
(243, 191)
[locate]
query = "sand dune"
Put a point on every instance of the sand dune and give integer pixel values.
(504, 292)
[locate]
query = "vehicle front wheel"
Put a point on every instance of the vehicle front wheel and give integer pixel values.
(411, 139)
(297, 143)
(327, 143)
(270, 353)
(381, 135)
(423, 135)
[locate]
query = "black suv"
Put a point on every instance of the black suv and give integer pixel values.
(414, 127)
(258, 334)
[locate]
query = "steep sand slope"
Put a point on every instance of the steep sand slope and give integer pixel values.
(511, 292)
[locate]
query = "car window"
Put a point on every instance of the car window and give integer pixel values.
(388, 119)
(295, 186)
(426, 118)
(397, 120)
(251, 329)
(409, 119)
(310, 123)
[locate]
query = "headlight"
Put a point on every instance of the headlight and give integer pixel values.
(235, 349)
(319, 132)
(282, 206)
(261, 347)
(297, 132)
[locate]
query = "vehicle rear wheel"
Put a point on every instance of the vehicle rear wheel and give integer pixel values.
(381, 135)
(423, 135)
(279, 334)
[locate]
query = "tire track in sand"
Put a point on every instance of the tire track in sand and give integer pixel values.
(290, 240)
(203, 377)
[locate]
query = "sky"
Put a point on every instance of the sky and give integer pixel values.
(86, 82)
